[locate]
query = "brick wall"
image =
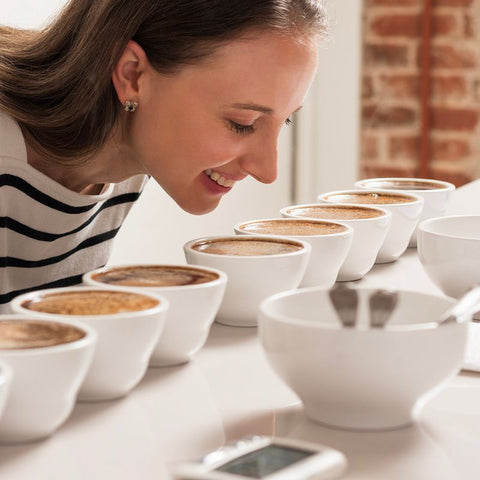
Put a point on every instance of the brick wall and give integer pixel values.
(391, 89)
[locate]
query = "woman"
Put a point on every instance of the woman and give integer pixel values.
(190, 92)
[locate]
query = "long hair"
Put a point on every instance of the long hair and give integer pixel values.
(56, 82)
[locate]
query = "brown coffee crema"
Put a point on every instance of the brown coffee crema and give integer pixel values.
(288, 227)
(337, 212)
(373, 198)
(90, 302)
(21, 334)
(154, 276)
(405, 185)
(247, 247)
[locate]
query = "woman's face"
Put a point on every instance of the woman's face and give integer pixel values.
(199, 131)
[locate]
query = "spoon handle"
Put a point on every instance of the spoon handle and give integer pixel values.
(466, 304)
(345, 301)
(382, 303)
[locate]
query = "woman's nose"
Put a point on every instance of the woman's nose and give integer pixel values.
(262, 162)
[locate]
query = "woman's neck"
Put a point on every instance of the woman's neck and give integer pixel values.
(110, 165)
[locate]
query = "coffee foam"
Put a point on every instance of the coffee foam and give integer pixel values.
(374, 198)
(336, 212)
(247, 247)
(90, 302)
(289, 227)
(154, 276)
(23, 334)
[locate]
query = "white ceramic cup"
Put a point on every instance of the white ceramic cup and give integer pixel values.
(126, 337)
(6, 375)
(362, 377)
(330, 242)
(370, 227)
(194, 294)
(46, 379)
(449, 250)
(270, 266)
(435, 193)
(406, 209)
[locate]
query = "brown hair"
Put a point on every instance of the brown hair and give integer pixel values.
(56, 82)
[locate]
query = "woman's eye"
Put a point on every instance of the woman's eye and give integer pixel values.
(240, 129)
(288, 122)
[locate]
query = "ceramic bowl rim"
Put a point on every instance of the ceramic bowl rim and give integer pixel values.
(386, 213)
(446, 186)
(431, 325)
(162, 306)
(222, 278)
(425, 224)
(91, 336)
(418, 199)
(345, 233)
(306, 247)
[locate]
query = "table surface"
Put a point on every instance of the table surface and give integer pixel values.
(229, 391)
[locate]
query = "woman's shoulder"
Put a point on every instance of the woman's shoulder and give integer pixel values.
(12, 143)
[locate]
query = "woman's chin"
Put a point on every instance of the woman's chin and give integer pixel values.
(198, 208)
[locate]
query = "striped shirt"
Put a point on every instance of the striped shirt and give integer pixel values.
(50, 235)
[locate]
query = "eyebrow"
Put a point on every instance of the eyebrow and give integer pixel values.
(259, 108)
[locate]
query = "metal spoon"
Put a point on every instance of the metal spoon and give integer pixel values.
(382, 303)
(345, 301)
(466, 304)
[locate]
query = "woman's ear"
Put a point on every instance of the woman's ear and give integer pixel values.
(127, 75)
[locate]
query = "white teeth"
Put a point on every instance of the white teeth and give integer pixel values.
(216, 177)
(224, 182)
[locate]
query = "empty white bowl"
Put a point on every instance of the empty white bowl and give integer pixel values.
(449, 250)
(361, 377)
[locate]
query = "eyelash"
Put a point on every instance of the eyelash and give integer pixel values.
(241, 129)
(246, 129)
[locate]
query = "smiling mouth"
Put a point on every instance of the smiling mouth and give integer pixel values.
(218, 178)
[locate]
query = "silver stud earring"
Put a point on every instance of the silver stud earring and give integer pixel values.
(130, 105)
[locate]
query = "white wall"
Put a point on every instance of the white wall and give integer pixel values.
(28, 13)
(328, 126)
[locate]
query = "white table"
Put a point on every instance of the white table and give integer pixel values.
(229, 391)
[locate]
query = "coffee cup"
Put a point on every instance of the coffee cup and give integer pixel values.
(194, 295)
(369, 224)
(128, 325)
(406, 209)
(435, 193)
(6, 374)
(330, 242)
(256, 266)
(49, 360)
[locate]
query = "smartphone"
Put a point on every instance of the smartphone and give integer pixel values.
(266, 458)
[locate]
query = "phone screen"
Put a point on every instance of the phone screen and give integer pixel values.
(264, 461)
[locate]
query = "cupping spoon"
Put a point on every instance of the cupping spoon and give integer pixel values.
(345, 301)
(382, 303)
(466, 304)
